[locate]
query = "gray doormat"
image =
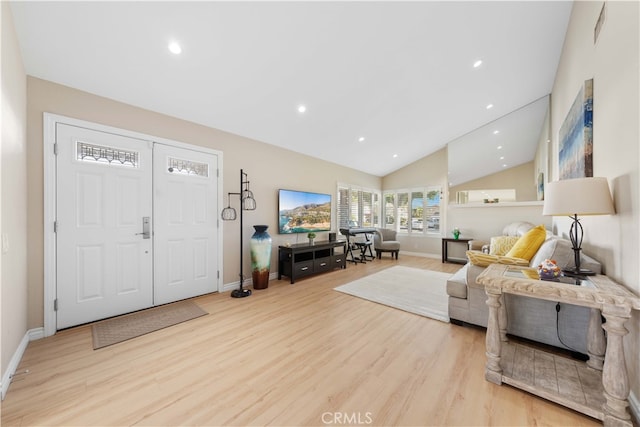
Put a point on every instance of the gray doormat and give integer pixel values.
(122, 328)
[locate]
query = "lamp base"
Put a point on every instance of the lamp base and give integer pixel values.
(577, 272)
(240, 293)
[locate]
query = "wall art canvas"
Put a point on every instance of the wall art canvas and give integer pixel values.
(576, 136)
(540, 186)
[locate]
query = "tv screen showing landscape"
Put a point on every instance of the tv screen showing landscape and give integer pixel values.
(303, 212)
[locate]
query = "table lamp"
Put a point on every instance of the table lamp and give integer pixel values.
(573, 197)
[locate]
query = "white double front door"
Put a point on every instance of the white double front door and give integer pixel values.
(136, 224)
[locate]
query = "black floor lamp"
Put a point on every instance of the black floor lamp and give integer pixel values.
(247, 203)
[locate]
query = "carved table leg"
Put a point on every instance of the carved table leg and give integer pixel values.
(502, 319)
(614, 374)
(493, 371)
(596, 343)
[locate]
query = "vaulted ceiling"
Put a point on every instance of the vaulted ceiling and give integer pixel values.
(383, 83)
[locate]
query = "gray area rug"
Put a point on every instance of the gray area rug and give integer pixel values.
(122, 328)
(410, 289)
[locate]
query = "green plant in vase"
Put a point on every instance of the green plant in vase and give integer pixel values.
(311, 236)
(456, 233)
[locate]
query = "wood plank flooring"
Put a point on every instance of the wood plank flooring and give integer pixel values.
(289, 355)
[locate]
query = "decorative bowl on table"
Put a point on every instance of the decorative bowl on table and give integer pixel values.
(549, 270)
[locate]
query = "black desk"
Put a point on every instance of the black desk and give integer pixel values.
(445, 250)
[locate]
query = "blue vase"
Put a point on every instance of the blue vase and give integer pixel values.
(260, 257)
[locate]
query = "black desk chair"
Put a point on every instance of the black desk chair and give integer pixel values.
(364, 245)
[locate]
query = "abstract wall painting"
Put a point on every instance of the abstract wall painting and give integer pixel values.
(576, 136)
(540, 186)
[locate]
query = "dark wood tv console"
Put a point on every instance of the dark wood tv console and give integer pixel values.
(303, 259)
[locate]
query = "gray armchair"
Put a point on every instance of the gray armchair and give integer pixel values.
(384, 240)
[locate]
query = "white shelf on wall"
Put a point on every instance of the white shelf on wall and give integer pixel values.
(496, 205)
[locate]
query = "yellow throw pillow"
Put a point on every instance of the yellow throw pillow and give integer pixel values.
(500, 245)
(527, 246)
(482, 260)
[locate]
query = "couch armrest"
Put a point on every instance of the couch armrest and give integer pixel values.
(476, 245)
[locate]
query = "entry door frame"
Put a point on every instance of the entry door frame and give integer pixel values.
(50, 187)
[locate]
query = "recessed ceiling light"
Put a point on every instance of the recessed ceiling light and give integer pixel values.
(302, 109)
(175, 48)
(499, 147)
(501, 157)
(495, 132)
(490, 106)
(395, 155)
(477, 63)
(504, 166)
(361, 139)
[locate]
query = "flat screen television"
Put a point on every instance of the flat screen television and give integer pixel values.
(303, 212)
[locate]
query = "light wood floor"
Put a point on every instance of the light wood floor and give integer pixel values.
(289, 355)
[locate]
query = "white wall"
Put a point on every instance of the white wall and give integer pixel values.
(614, 66)
(13, 285)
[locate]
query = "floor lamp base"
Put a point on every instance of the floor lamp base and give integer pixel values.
(240, 293)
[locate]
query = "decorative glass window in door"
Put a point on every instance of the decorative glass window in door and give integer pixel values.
(101, 154)
(187, 167)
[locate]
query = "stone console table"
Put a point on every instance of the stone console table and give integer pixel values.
(599, 388)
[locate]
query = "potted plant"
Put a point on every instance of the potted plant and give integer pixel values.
(456, 233)
(311, 236)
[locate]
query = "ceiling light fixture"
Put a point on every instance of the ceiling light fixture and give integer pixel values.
(501, 157)
(495, 132)
(175, 48)
(490, 106)
(302, 109)
(504, 165)
(361, 139)
(395, 156)
(477, 63)
(499, 147)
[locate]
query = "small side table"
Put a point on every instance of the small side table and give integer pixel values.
(599, 388)
(445, 249)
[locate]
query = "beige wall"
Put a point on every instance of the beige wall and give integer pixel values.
(427, 171)
(520, 178)
(542, 159)
(613, 65)
(13, 285)
(268, 167)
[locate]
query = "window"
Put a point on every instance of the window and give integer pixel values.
(187, 167)
(415, 211)
(390, 211)
(109, 155)
(358, 206)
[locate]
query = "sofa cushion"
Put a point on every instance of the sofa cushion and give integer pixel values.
(527, 246)
(559, 250)
(500, 245)
(517, 228)
(482, 260)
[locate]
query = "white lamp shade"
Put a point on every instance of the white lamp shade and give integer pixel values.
(580, 196)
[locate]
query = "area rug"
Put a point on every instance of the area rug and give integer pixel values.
(410, 289)
(122, 328)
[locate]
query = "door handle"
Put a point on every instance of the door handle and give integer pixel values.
(146, 227)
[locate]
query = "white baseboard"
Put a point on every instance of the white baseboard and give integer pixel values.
(421, 254)
(634, 406)
(30, 335)
(228, 287)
